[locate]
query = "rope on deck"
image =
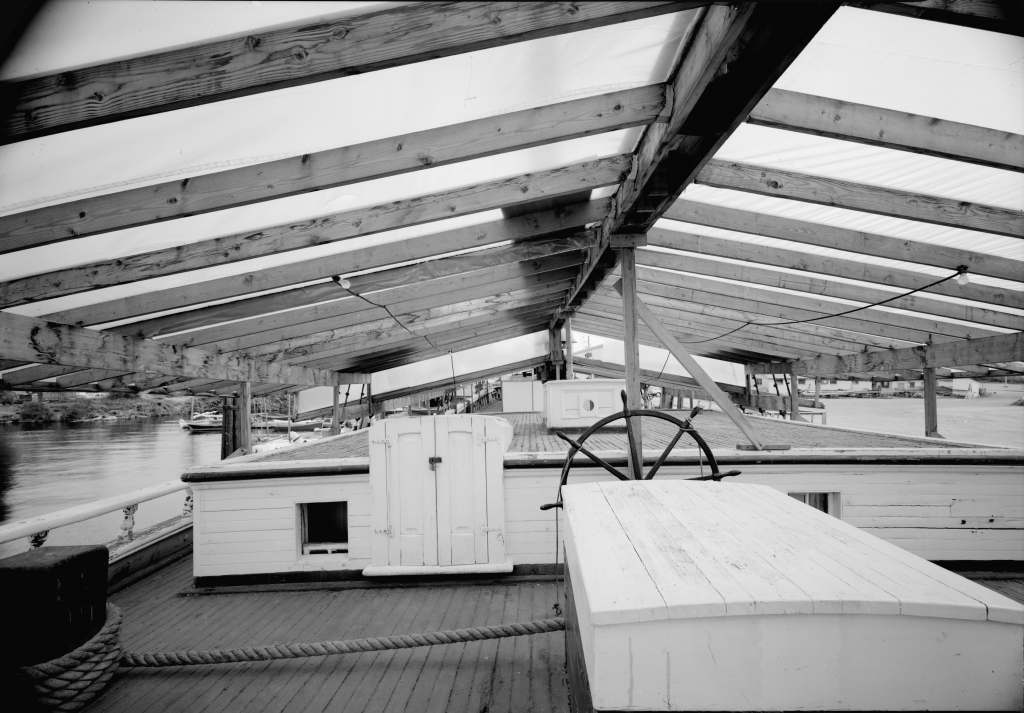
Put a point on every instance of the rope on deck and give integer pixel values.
(330, 648)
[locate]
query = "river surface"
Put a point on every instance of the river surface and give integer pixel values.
(56, 466)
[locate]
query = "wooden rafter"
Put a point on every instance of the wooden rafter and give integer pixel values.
(831, 267)
(703, 340)
(773, 306)
(725, 320)
(820, 285)
(48, 343)
(834, 193)
(397, 337)
(612, 329)
(853, 241)
(967, 352)
(426, 279)
(371, 335)
(730, 57)
(335, 167)
(358, 260)
(705, 328)
(292, 56)
(313, 326)
(990, 15)
(875, 126)
(326, 229)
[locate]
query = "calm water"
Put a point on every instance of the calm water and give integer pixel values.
(48, 468)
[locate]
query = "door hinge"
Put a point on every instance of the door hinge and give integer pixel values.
(491, 529)
(481, 439)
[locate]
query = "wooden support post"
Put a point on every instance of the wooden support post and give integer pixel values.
(691, 365)
(336, 413)
(751, 400)
(243, 415)
(631, 338)
(369, 405)
(931, 406)
(227, 434)
(569, 375)
(794, 396)
(555, 350)
(817, 392)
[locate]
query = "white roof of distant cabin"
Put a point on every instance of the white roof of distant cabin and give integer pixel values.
(929, 69)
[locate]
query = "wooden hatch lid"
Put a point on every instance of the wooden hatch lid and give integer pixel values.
(662, 549)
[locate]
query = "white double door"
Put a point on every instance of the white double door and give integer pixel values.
(436, 491)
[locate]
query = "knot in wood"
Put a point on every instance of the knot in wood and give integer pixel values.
(252, 42)
(494, 18)
(426, 159)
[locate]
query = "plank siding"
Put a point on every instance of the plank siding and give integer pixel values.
(936, 512)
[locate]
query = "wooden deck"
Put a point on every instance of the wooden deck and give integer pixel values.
(531, 436)
(518, 674)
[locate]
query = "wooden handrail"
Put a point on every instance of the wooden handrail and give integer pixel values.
(69, 516)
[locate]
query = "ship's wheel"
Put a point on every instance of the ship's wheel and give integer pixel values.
(636, 458)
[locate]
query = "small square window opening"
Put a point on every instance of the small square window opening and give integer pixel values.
(324, 528)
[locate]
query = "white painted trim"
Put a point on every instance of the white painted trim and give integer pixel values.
(399, 570)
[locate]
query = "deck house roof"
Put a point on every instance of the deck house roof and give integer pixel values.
(179, 185)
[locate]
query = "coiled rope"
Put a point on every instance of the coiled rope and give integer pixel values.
(330, 648)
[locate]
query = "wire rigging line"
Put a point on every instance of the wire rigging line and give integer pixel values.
(337, 279)
(962, 270)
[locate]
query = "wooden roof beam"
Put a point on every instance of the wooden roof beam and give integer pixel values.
(729, 59)
(820, 285)
(966, 352)
(412, 249)
(713, 326)
(292, 56)
(853, 241)
(989, 15)
(335, 167)
(765, 181)
(809, 333)
(372, 339)
(832, 267)
(875, 126)
(525, 260)
(45, 342)
(376, 365)
(703, 340)
(768, 306)
(614, 330)
(277, 332)
(317, 231)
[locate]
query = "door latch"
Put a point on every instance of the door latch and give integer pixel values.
(389, 531)
(433, 461)
(481, 439)
(385, 441)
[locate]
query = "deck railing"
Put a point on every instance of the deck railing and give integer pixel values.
(37, 528)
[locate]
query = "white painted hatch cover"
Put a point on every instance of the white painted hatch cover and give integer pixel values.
(728, 596)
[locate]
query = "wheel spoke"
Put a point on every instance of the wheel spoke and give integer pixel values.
(668, 449)
(597, 459)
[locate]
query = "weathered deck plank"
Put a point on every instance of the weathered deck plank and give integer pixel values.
(501, 675)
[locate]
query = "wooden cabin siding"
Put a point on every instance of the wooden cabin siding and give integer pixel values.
(936, 512)
(250, 527)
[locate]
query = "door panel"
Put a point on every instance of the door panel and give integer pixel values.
(494, 467)
(460, 490)
(412, 492)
